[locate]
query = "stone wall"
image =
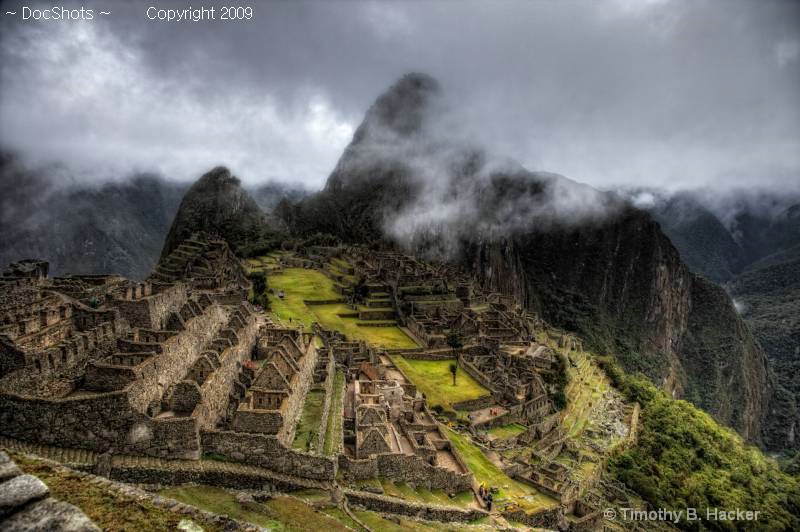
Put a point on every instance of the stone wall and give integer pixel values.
(292, 407)
(548, 519)
(475, 404)
(152, 312)
(175, 438)
(178, 354)
(98, 422)
(353, 469)
(440, 354)
(268, 452)
(428, 512)
(258, 421)
(475, 374)
(326, 406)
(404, 468)
(218, 387)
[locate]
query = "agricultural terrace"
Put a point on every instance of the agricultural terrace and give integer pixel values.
(299, 285)
(487, 472)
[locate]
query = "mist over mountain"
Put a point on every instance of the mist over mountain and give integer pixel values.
(584, 259)
(270, 194)
(721, 233)
(115, 227)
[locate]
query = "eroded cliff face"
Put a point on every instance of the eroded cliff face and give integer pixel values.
(623, 286)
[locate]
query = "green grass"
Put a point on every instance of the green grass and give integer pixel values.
(388, 337)
(420, 494)
(433, 378)
(333, 432)
(308, 427)
(299, 284)
(521, 494)
(507, 431)
(108, 509)
(280, 513)
(218, 501)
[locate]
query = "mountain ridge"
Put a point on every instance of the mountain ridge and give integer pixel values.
(625, 283)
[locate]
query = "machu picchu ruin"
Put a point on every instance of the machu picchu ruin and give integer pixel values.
(381, 266)
(182, 369)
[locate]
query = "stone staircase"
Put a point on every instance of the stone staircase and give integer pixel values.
(75, 458)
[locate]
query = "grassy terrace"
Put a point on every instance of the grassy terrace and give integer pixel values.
(485, 471)
(507, 431)
(433, 378)
(581, 394)
(419, 494)
(299, 284)
(333, 432)
(382, 523)
(279, 513)
(308, 427)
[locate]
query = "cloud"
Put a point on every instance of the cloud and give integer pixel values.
(661, 93)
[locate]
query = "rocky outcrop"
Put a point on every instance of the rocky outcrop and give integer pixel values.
(217, 204)
(25, 504)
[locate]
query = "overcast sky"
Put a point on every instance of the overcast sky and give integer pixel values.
(619, 92)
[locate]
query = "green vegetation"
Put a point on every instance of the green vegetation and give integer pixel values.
(507, 431)
(280, 513)
(258, 294)
(683, 458)
(455, 339)
(218, 501)
(110, 510)
(421, 494)
(433, 378)
(299, 285)
(379, 522)
(308, 427)
(333, 432)
(557, 379)
(485, 471)
(388, 337)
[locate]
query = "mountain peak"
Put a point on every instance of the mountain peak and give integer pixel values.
(217, 204)
(217, 176)
(402, 108)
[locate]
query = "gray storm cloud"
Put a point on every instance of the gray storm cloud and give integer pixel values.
(658, 93)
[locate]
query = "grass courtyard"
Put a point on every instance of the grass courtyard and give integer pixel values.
(305, 437)
(333, 431)
(299, 285)
(433, 378)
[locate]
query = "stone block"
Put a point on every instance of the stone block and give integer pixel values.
(19, 491)
(52, 516)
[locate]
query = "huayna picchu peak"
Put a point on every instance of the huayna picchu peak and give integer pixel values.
(252, 279)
